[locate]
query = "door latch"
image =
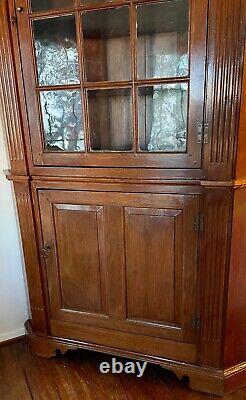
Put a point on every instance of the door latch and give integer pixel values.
(46, 249)
(196, 322)
(198, 223)
(20, 10)
(14, 20)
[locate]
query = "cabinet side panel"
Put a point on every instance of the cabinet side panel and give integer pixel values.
(226, 35)
(25, 212)
(9, 101)
(214, 248)
(235, 340)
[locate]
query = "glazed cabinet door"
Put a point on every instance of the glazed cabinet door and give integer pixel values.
(122, 261)
(114, 86)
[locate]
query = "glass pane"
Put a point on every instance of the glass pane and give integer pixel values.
(56, 51)
(163, 39)
(162, 117)
(110, 119)
(62, 120)
(41, 5)
(107, 45)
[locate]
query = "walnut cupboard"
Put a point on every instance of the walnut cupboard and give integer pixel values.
(125, 125)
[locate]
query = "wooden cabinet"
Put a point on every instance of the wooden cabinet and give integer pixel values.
(122, 260)
(126, 147)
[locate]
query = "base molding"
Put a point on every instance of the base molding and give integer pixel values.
(12, 335)
(213, 381)
(208, 380)
(7, 342)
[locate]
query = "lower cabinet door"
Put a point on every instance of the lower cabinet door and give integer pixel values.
(121, 262)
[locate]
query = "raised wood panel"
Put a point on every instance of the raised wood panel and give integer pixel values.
(214, 247)
(76, 231)
(226, 38)
(10, 112)
(150, 263)
(73, 234)
(115, 257)
(34, 276)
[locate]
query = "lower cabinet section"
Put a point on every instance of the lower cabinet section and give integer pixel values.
(122, 269)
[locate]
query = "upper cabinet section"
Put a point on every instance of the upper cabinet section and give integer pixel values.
(119, 86)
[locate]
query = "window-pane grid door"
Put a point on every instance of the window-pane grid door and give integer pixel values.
(114, 85)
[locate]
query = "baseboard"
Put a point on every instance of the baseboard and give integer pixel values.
(11, 336)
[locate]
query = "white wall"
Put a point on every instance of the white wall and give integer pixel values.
(13, 298)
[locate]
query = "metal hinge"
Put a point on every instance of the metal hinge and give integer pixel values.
(196, 322)
(198, 223)
(37, 309)
(202, 133)
(205, 133)
(14, 20)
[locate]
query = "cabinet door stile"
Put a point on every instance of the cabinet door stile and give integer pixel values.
(49, 237)
(115, 260)
(189, 274)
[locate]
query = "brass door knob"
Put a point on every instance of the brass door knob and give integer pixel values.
(20, 10)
